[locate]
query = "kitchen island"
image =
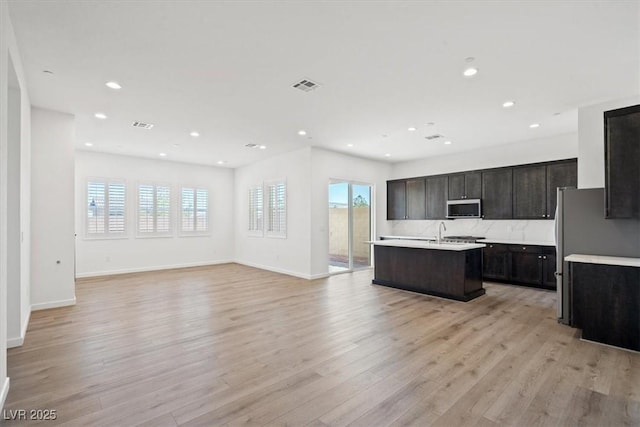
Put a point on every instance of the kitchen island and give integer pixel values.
(449, 270)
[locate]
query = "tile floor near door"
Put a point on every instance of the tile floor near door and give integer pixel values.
(232, 345)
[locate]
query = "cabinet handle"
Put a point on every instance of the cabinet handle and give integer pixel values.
(490, 246)
(544, 257)
(539, 256)
(524, 248)
(543, 216)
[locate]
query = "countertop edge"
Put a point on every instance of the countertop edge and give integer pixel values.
(602, 259)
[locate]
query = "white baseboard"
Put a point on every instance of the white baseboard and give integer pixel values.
(18, 341)
(53, 304)
(275, 270)
(3, 392)
(151, 268)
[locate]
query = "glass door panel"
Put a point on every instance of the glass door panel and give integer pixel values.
(339, 226)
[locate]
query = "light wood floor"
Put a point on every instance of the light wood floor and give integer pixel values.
(233, 345)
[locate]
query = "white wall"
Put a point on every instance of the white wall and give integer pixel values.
(328, 165)
(536, 150)
(515, 153)
(591, 141)
(290, 255)
(20, 298)
(109, 256)
(52, 219)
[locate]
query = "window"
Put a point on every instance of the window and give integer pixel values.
(276, 209)
(154, 210)
(255, 210)
(194, 211)
(106, 202)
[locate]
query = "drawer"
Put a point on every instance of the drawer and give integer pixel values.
(526, 248)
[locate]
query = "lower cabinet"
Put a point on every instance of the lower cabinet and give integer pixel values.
(605, 303)
(520, 264)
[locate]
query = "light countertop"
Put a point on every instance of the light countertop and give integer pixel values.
(601, 259)
(422, 244)
(409, 237)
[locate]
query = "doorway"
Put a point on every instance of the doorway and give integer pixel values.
(350, 226)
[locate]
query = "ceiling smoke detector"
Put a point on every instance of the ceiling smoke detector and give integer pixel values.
(142, 125)
(434, 137)
(306, 85)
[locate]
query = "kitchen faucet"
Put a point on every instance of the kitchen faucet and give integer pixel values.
(440, 227)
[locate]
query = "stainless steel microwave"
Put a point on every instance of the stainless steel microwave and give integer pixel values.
(464, 208)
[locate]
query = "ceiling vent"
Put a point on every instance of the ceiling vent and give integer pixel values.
(306, 85)
(142, 125)
(251, 145)
(434, 137)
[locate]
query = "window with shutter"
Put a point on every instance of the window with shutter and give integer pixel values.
(194, 211)
(256, 211)
(276, 209)
(154, 210)
(106, 208)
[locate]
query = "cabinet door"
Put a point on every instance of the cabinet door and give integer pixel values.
(416, 207)
(473, 185)
(495, 262)
(549, 269)
(396, 200)
(526, 265)
(456, 186)
(563, 174)
(530, 192)
(622, 162)
(437, 197)
(496, 194)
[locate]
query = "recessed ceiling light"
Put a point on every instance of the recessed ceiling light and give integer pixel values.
(113, 85)
(194, 134)
(349, 145)
(100, 116)
(262, 147)
(411, 129)
(221, 162)
(508, 104)
(302, 132)
(470, 72)
(88, 144)
(447, 143)
(162, 154)
(387, 155)
(534, 125)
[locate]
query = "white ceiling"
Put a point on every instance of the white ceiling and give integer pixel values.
(226, 69)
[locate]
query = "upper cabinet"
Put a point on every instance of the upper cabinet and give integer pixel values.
(559, 174)
(497, 189)
(467, 185)
(416, 206)
(622, 162)
(515, 192)
(530, 192)
(396, 200)
(437, 190)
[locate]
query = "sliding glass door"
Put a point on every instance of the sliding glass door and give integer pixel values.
(350, 226)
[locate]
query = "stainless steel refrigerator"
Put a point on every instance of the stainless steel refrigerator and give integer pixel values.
(581, 228)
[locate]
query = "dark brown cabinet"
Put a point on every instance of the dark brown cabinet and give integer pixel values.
(520, 264)
(605, 303)
(496, 262)
(622, 162)
(526, 264)
(559, 174)
(530, 192)
(520, 192)
(416, 205)
(497, 188)
(396, 200)
(549, 268)
(437, 191)
(466, 185)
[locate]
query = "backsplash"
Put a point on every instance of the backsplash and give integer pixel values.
(520, 230)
